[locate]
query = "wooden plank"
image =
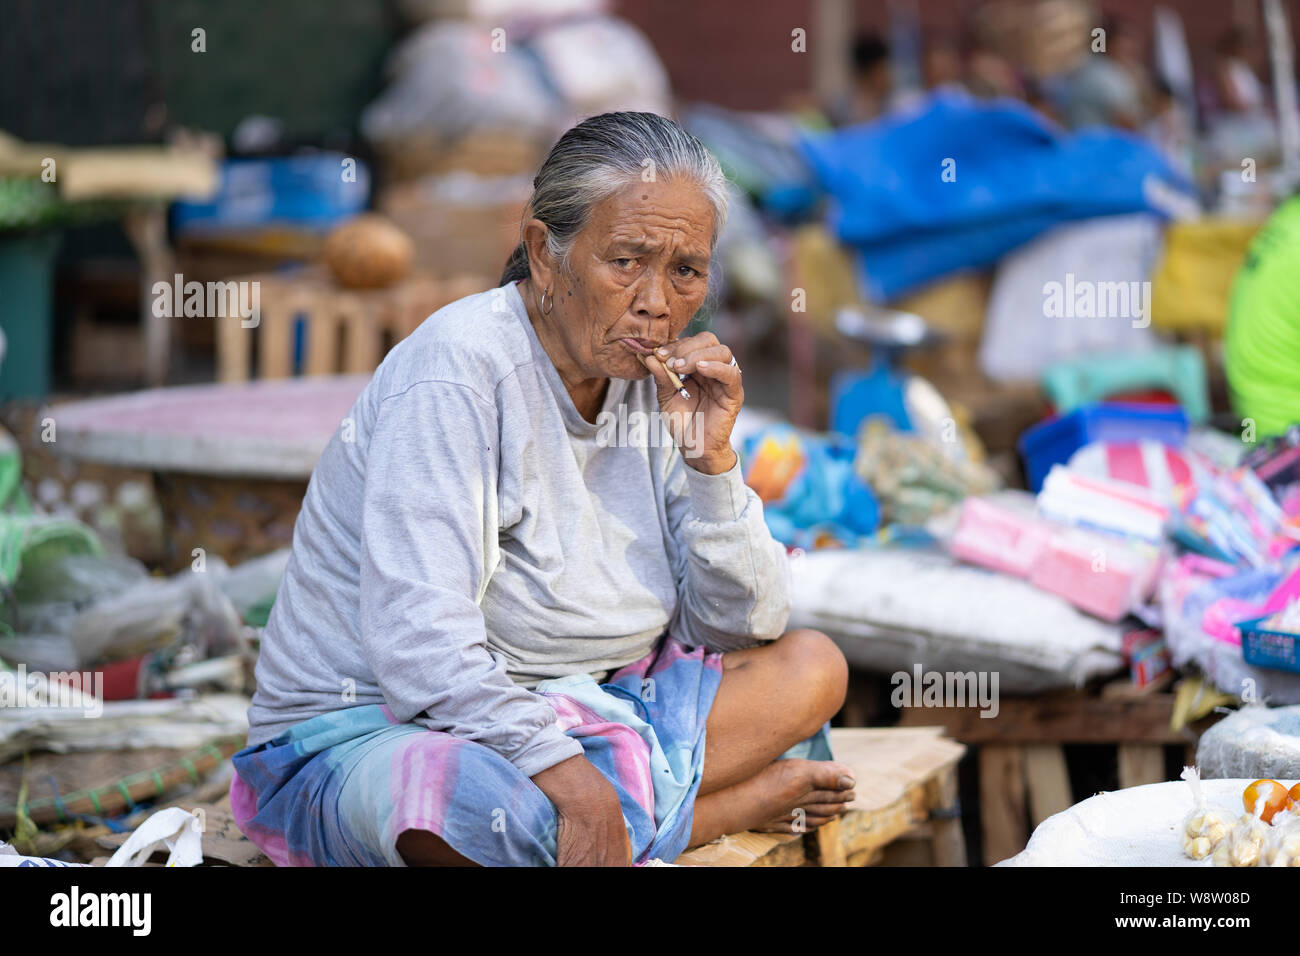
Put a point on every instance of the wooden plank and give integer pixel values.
(1048, 781)
(948, 842)
(322, 343)
(862, 834)
(147, 173)
(363, 344)
(1061, 718)
(748, 849)
(275, 340)
(234, 350)
(896, 772)
(146, 228)
(1140, 764)
(234, 340)
(888, 760)
(914, 848)
(828, 840)
(1124, 687)
(832, 62)
(1002, 801)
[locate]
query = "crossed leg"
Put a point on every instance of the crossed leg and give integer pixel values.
(771, 697)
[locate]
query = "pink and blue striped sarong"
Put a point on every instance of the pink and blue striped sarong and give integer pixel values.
(338, 789)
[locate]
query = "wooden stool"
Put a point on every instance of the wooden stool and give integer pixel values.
(906, 787)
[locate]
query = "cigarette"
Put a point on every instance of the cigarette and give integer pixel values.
(677, 382)
(672, 377)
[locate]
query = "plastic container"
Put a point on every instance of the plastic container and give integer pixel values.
(303, 192)
(1069, 568)
(994, 535)
(1053, 442)
(1264, 647)
(26, 313)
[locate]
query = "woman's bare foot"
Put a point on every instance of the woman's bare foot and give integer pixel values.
(786, 796)
(823, 789)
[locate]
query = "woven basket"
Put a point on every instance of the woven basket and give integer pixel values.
(232, 518)
(113, 792)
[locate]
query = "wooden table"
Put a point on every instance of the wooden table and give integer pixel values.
(230, 462)
(906, 787)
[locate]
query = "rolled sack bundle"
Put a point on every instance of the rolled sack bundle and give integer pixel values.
(1255, 742)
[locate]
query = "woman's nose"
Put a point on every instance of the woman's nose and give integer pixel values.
(652, 298)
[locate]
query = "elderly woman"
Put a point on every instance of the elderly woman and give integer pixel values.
(508, 635)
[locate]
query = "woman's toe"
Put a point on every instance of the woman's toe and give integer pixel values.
(830, 796)
(830, 775)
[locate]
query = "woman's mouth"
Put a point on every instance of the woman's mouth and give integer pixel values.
(640, 346)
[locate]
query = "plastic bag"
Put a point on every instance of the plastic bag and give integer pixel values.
(176, 828)
(40, 652)
(447, 81)
(1203, 828)
(253, 585)
(1255, 742)
(91, 609)
(603, 63)
(11, 857)
(49, 594)
(142, 618)
(1283, 845)
(1244, 844)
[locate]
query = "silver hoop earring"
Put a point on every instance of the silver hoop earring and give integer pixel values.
(545, 310)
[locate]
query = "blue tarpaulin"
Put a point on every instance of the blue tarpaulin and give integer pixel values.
(957, 182)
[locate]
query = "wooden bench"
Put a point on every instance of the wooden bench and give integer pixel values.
(906, 789)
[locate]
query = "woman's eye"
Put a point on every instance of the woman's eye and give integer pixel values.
(686, 272)
(624, 263)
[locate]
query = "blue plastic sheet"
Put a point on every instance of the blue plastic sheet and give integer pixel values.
(824, 503)
(1011, 175)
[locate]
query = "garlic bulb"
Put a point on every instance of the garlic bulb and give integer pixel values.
(1204, 829)
(1282, 848)
(1244, 845)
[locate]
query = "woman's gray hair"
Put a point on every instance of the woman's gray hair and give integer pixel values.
(600, 156)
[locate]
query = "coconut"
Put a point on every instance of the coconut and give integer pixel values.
(368, 252)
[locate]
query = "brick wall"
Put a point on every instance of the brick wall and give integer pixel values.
(737, 52)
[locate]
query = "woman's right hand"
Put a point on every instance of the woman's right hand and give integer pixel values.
(591, 830)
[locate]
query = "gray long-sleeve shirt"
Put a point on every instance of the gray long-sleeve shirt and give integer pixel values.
(467, 534)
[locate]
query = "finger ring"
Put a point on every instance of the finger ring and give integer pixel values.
(733, 360)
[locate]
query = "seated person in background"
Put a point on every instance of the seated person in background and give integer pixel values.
(1110, 88)
(871, 94)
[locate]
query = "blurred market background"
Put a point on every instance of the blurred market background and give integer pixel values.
(1010, 281)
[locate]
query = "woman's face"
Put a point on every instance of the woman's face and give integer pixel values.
(638, 273)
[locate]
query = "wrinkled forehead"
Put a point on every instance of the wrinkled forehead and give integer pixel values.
(674, 213)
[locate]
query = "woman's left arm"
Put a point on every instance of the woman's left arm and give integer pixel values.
(733, 577)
